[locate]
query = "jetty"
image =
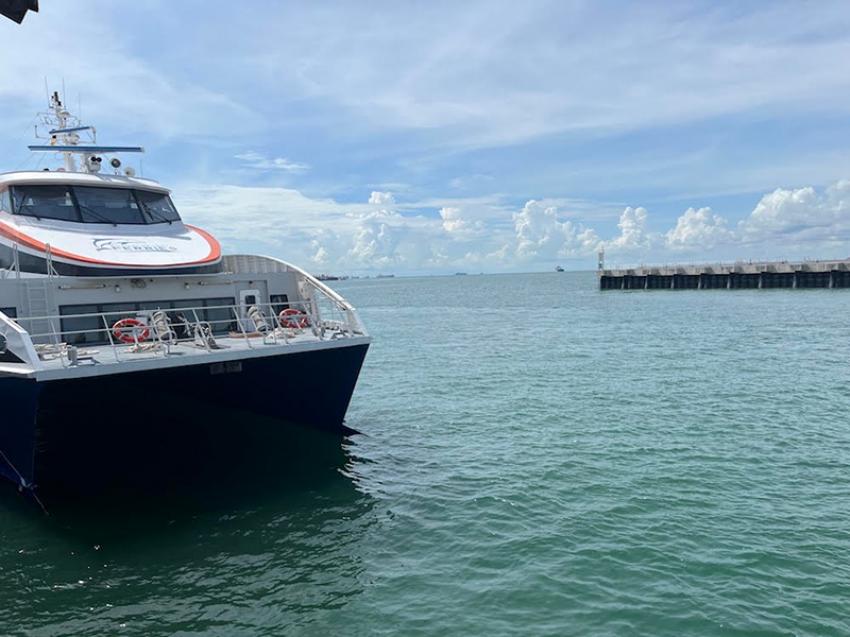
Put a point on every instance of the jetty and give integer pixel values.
(741, 275)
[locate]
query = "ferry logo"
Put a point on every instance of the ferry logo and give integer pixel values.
(131, 245)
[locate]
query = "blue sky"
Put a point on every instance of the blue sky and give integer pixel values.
(478, 136)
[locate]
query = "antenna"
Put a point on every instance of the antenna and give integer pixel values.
(64, 136)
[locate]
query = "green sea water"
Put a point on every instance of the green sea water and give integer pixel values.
(535, 457)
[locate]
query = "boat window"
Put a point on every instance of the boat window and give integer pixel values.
(5, 201)
(279, 302)
(108, 205)
(45, 202)
(11, 312)
(90, 204)
(87, 329)
(219, 318)
(92, 330)
(157, 206)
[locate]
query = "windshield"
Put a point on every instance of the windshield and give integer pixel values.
(157, 206)
(94, 204)
(48, 202)
(108, 205)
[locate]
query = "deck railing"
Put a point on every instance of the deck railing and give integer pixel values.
(40, 341)
(162, 332)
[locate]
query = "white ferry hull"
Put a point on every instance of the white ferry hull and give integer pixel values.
(109, 301)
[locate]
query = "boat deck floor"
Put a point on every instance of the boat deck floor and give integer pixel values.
(226, 347)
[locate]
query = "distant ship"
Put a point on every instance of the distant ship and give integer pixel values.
(558, 268)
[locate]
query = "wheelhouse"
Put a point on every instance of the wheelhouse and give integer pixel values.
(89, 204)
(96, 225)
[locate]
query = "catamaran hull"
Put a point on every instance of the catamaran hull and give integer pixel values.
(311, 388)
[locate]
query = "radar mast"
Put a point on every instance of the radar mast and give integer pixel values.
(63, 136)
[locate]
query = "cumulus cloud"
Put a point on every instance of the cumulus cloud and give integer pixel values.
(800, 213)
(257, 161)
(633, 236)
(540, 233)
(452, 221)
(376, 240)
(698, 229)
(379, 198)
(456, 224)
(458, 234)
(784, 221)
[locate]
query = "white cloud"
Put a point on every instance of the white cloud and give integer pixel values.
(452, 221)
(485, 233)
(800, 215)
(671, 63)
(255, 160)
(633, 236)
(698, 229)
(455, 223)
(320, 256)
(379, 198)
(540, 234)
(130, 91)
(784, 210)
(376, 240)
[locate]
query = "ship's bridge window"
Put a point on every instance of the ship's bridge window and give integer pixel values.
(157, 206)
(108, 205)
(45, 202)
(92, 204)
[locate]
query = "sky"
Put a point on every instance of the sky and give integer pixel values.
(435, 137)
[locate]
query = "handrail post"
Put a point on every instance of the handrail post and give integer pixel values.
(241, 327)
(57, 341)
(198, 326)
(17, 261)
(109, 336)
(273, 319)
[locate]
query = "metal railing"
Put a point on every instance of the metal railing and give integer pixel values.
(311, 287)
(143, 334)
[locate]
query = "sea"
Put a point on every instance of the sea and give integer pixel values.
(532, 457)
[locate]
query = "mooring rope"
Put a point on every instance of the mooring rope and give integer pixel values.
(24, 484)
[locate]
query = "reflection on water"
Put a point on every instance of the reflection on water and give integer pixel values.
(157, 460)
(183, 512)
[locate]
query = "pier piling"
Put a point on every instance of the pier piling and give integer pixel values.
(734, 276)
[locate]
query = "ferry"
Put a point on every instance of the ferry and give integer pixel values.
(108, 298)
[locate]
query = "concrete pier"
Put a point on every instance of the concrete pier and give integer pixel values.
(729, 276)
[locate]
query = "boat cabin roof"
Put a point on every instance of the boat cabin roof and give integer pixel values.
(58, 177)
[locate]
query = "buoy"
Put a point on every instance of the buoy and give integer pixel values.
(130, 330)
(292, 318)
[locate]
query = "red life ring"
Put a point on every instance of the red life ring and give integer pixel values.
(292, 318)
(125, 329)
